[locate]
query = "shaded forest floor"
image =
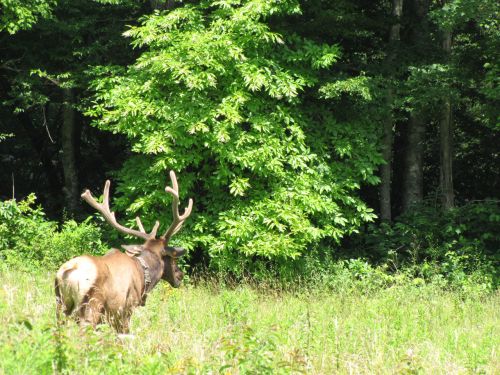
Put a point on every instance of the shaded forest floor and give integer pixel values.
(206, 329)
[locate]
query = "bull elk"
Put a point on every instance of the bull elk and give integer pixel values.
(95, 289)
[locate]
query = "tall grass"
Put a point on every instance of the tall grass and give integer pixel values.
(205, 329)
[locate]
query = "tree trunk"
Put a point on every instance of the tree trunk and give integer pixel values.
(386, 171)
(397, 11)
(413, 179)
(388, 137)
(68, 127)
(446, 143)
(413, 173)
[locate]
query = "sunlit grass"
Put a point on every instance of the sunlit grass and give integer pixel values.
(205, 329)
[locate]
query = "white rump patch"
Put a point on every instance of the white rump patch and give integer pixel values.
(75, 278)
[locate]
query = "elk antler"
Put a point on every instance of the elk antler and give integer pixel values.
(178, 219)
(104, 209)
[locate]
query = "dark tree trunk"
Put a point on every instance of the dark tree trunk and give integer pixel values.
(446, 142)
(386, 172)
(397, 12)
(413, 172)
(68, 131)
(413, 178)
(388, 136)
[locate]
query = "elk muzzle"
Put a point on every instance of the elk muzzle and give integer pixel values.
(171, 271)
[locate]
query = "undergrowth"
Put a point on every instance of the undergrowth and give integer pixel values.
(457, 250)
(28, 240)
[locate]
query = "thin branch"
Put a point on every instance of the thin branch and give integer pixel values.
(46, 125)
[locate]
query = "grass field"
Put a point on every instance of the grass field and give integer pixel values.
(204, 329)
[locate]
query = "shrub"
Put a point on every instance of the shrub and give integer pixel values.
(461, 245)
(28, 239)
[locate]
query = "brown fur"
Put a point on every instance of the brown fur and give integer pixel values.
(108, 288)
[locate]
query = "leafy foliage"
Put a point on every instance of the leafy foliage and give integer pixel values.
(220, 96)
(461, 245)
(22, 14)
(4, 136)
(29, 240)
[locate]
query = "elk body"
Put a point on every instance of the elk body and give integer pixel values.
(107, 288)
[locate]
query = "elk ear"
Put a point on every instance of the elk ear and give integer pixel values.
(133, 250)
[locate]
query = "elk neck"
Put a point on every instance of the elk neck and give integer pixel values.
(152, 266)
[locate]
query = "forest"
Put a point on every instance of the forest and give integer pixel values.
(338, 153)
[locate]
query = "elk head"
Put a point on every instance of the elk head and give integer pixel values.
(157, 246)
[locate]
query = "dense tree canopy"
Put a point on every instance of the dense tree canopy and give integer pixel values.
(220, 95)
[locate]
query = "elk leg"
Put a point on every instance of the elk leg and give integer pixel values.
(60, 305)
(91, 311)
(59, 308)
(121, 322)
(59, 312)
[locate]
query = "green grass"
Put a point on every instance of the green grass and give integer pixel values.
(205, 329)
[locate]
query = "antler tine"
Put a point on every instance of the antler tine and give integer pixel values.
(178, 220)
(109, 216)
(175, 186)
(183, 217)
(105, 200)
(177, 228)
(141, 227)
(155, 229)
(139, 224)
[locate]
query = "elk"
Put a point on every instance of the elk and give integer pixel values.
(95, 289)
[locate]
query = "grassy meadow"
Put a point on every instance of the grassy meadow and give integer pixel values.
(205, 329)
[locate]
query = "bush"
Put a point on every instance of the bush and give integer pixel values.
(29, 240)
(460, 245)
